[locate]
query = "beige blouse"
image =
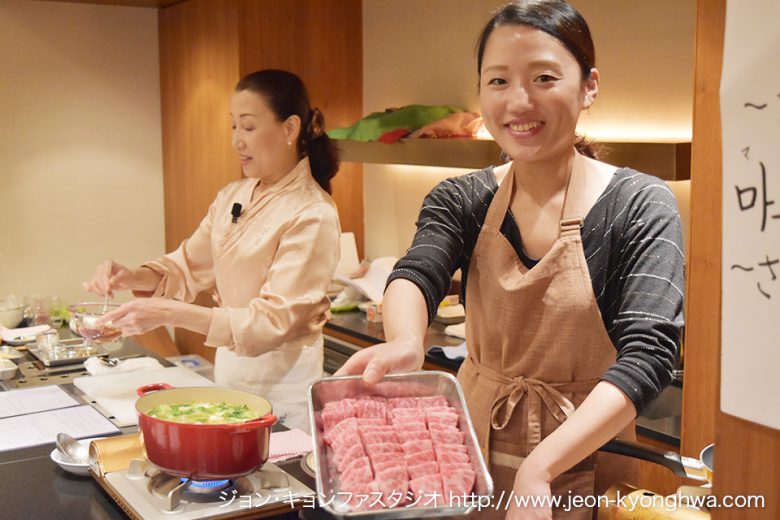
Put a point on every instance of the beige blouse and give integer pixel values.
(271, 268)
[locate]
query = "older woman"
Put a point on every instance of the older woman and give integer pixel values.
(268, 246)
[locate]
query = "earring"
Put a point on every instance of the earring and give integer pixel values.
(289, 143)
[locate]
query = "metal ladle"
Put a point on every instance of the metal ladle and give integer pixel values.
(72, 449)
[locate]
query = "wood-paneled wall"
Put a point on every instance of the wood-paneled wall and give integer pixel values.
(321, 41)
(747, 456)
(199, 66)
(205, 47)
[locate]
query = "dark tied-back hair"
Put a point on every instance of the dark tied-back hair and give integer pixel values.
(287, 96)
(558, 19)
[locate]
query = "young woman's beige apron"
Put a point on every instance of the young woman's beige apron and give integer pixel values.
(536, 347)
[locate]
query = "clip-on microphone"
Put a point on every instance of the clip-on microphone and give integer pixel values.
(235, 211)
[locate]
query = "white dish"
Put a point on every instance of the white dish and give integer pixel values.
(8, 352)
(19, 341)
(22, 335)
(7, 369)
(76, 469)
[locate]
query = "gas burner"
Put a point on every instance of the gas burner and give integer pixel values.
(146, 493)
(175, 490)
(207, 487)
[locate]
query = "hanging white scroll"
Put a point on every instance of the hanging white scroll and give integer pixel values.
(750, 116)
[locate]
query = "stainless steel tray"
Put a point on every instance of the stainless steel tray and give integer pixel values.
(413, 384)
(68, 352)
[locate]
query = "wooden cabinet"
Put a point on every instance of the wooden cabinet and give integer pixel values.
(205, 47)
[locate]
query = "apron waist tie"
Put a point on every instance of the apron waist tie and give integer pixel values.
(513, 389)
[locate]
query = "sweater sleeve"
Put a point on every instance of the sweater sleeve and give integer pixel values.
(648, 283)
(189, 269)
(438, 244)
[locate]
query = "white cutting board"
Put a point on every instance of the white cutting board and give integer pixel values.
(116, 394)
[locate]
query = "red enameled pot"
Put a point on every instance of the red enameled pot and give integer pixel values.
(204, 451)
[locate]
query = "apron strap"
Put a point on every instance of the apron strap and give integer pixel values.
(538, 392)
(572, 218)
(573, 204)
(500, 203)
(571, 226)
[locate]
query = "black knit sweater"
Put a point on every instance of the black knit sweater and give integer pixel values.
(632, 239)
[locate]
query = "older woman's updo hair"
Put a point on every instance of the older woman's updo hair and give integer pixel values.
(558, 19)
(287, 96)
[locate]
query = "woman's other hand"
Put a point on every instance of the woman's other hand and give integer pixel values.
(139, 316)
(401, 355)
(531, 496)
(109, 277)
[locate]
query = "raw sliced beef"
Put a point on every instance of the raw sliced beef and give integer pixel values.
(393, 484)
(440, 437)
(451, 468)
(449, 448)
(379, 467)
(427, 488)
(442, 417)
(414, 435)
(452, 457)
(373, 408)
(383, 447)
(410, 447)
(345, 440)
(419, 457)
(407, 412)
(432, 401)
(423, 469)
(442, 427)
(379, 437)
(353, 452)
(386, 456)
(381, 450)
(358, 470)
(402, 402)
(409, 425)
(458, 482)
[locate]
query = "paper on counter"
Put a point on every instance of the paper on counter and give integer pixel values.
(372, 285)
(458, 330)
(455, 353)
(32, 400)
(348, 261)
(42, 428)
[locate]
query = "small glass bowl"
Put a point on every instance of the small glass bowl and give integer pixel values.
(84, 317)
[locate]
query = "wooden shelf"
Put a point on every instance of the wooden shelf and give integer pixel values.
(669, 161)
(453, 153)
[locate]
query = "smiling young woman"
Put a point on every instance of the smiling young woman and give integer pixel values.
(572, 273)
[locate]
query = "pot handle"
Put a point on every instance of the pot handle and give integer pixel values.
(686, 467)
(146, 389)
(265, 421)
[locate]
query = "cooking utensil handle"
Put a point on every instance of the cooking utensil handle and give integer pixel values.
(681, 466)
(146, 389)
(265, 421)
